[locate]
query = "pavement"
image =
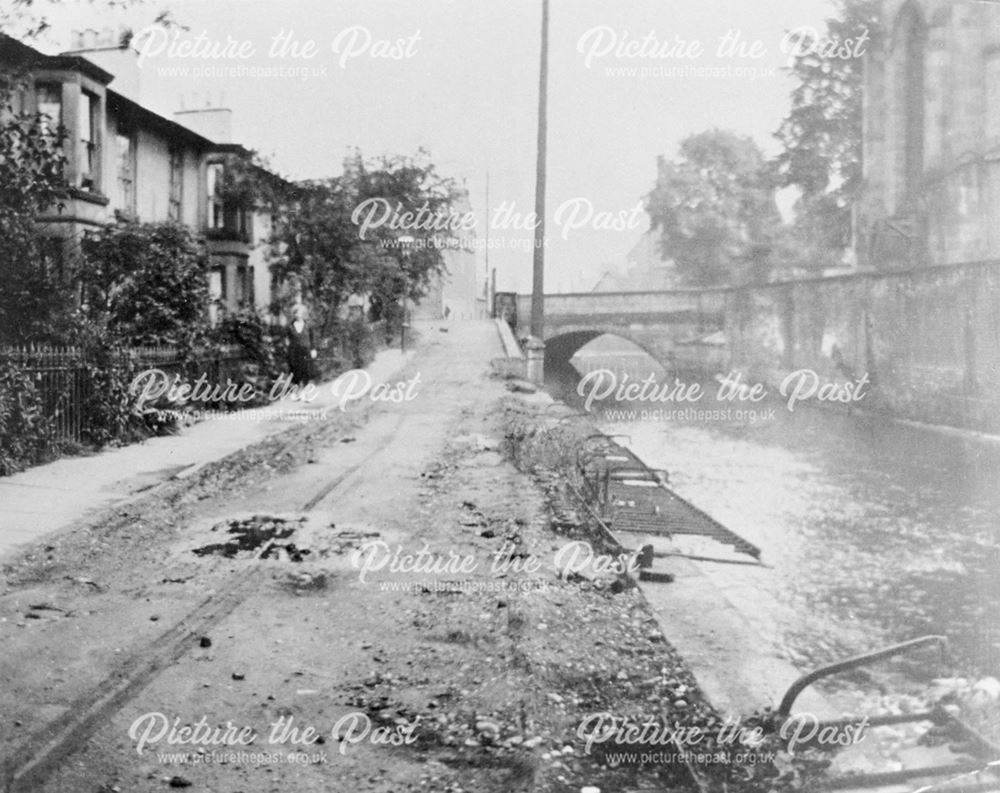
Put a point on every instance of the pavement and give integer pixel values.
(49, 497)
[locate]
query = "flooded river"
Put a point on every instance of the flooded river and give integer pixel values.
(873, 532)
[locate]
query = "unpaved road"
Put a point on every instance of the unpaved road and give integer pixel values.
(119, 639)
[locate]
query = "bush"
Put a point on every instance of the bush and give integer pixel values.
(263, 348)
(248, 329)
(109, 410)
(147, 283)
(27, 435)
(360, 342)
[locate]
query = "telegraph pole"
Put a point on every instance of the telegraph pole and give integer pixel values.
(538, 262)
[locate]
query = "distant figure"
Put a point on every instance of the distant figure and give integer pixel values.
(838, 360)
(299, 360)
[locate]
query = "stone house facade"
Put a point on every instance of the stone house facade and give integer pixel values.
(127, 162)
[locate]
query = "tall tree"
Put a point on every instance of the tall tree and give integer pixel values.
(714, 209)
(821, 136)
(341, 236)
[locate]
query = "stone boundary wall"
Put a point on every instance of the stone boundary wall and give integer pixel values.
(929, 339)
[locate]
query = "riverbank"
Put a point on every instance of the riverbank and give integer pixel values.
(723, 620)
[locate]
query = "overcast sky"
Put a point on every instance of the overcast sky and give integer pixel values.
(465, 86)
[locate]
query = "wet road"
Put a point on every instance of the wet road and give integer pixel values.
(874, 532)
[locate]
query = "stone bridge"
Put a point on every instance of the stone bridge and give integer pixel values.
(655, 321)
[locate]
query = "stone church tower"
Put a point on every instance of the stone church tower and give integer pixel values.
(932, 136)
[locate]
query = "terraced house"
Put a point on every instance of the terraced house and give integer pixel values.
(127, 162)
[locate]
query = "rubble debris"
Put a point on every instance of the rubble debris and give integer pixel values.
(521, 387)
(259, 531)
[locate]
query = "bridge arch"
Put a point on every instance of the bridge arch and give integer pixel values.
(656, 322)
(562, 345)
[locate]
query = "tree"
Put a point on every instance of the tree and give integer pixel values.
(714, 209)
(339, 236)
(821, 136)
(37, 301)
(146, 283)
(34, 302)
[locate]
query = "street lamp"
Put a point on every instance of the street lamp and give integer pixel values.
(405, 242)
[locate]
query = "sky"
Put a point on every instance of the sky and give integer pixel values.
(460, 78)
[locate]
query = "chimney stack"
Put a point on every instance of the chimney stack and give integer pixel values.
(109, 49)
(208, 117)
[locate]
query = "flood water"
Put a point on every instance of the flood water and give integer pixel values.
(873, 532)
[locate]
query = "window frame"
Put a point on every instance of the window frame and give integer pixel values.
(57, 87)
(175, 200)
(127, 188)
(215, 206)
(89, 148)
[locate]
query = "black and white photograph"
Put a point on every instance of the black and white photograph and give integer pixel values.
(500, 396)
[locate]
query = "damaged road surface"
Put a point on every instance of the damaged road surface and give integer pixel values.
(314, 615)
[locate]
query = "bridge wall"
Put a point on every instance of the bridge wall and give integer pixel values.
(929, 338)
(656, 321)
(619, 304)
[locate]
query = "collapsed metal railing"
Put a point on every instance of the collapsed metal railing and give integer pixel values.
(631, 497)
(954, 777)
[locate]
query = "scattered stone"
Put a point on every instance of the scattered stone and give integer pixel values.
(179, 781)
(45, 607)
(86, 581)
(488, 726)
(655, 578)
(239, 676)
(204, 641)
(521, 387)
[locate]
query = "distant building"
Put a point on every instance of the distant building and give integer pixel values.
(456, 293)
(645, 270)
(932, 136)
(127, 162)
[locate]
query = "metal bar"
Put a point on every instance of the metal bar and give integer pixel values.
(785, 708)
(937, 716)
(756, 563)
(903, 775)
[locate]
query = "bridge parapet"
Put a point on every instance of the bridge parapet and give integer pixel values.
(655, 321)
(625, 308)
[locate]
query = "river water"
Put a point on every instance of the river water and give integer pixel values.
(873, 532)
